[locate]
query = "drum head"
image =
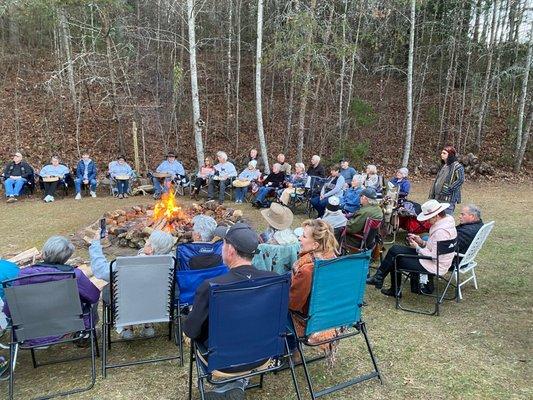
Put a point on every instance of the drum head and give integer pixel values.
(161, 174)
(50, 178)
(122, 177)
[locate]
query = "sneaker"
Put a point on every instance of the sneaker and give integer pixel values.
(78, 196)
(51, 199)
(120, 196)
(125, 195)
(127, 334)
(148, 332)
(47, 198)
(83, 340)
(93, 194)
(11, 199)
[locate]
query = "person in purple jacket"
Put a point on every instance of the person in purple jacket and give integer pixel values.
(56, 252)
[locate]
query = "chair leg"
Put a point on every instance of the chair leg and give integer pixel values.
(306, 372)
(475, 278)
(190, 370)
(369, 347)
(12, 356)
(179, 338)
(33, 358)
(293, 372)
(104, 341)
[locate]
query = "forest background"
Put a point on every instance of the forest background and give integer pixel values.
(382, 81)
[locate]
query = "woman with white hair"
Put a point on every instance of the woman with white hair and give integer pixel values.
(243, 181)
(224, 171)
(351, 201)
(56, 252)
(371, 178)
(273, 181)
(401, 182)
(295, 184)
(159, 243)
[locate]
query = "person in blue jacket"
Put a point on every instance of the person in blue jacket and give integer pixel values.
(401, 182)
(173, 168)
(86, 174)
(54, 169)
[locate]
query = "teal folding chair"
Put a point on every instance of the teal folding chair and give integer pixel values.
(335, 302)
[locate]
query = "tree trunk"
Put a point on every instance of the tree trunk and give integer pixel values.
(305, 89)
(409, 125)
(477, 19)
(65, 42)
(228, 77)
(525, 139)
(289, 115)
(197, 123)
(238, 77)
(13, 27)
(523, 97)
(258, 98)
(343, 70)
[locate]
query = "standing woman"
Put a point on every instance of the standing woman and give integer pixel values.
(447, 185)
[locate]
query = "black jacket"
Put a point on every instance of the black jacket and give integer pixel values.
(26, 171)
(275, 180)
(316, 171)
(196, 326)
(466, 233)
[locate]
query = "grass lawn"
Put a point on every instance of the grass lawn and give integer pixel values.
(477, 349)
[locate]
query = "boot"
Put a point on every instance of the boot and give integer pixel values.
(389, 292)
(376, 280)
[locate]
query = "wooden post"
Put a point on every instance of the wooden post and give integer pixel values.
(135, 146)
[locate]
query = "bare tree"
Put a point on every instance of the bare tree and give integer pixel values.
(258, 97)
(409, 125)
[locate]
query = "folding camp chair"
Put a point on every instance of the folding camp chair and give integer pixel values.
(29, 186)
(368, 240)
(313, 188)
(275, 257)
(251, 339)
(402, 274)
(59, 314)
(141, 292)
(188, 279)
(467, 261)
(337, 294)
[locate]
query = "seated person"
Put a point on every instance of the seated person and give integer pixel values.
(401, 182)
(16, 174)
(316, 169)
(333, 214)
(224, 171)
(369, 209)
(56, 252)
(240, 243)
(203, 231)
(242, 183)
(158, 243)
(295, 184)
(173, 168)
(285, 167)
(316, 243)
(351, 200)
(279, 219)
(54, 169)
(8, 270)
(120, 169)
(333, 187)
(347, 172)
(271, 183)
(86, 174)
(253, 155)
(202, 177)
(469, 224)
(442, 228)
(371, 178)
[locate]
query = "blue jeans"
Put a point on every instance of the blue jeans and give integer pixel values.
(240, 193)
(158, 188)
(79, 181)
(14, 186)
(319, 205)
(262, 194)
(122, 186)
(221, 189)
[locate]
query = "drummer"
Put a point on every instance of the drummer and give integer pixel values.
(52, 175)
(224, 171)
(242, 183)
(121, 172)
(168, 170)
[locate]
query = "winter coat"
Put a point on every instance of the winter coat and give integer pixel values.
(443, 229)
(26, 171)
(319, 171)
(466, 233)
(91, 170)
(451, 191)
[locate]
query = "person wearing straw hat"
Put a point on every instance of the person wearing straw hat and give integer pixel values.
(442, 228)
(279, 219)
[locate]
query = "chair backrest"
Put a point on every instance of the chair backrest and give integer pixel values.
(142, 289)
(275, 257)
(446, 246)
(476, 244)
(370, 231)
(337, 292)
(247, 321)
(46, 308)
(185, 252)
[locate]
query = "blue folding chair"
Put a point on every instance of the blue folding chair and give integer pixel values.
(247, 333)
(336, 298)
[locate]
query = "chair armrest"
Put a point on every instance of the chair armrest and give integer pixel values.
(418, 256)
(299, 315)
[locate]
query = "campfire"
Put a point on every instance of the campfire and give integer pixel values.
(131, 227)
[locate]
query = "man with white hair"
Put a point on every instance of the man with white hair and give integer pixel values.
(284, 166)
(159, 243)
(469, 224)
(56, 252)
(316, 169)
(16, 174)
(369, 209)
(224, 171)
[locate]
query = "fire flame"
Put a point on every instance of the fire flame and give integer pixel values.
(168, 209)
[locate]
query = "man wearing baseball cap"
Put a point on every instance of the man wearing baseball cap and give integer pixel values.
(240, 244)
(369, 209)
(16, 174)
(173, 168)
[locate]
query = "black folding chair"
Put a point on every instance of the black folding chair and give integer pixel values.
(251, 339)
(403, 273)
(39, 310)
(134, 302)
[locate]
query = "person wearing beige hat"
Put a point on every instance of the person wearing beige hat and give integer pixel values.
(279, 219)
(442, 228)
(16, 174)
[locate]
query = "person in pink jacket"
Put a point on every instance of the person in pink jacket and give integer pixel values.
(442, 228)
